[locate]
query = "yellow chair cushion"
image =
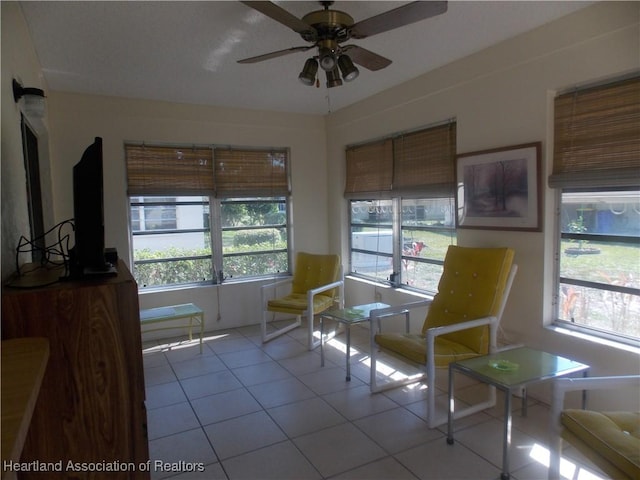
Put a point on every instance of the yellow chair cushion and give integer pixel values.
(296, 303)
(613, 435)
(413, 347)
(313, 271)
(471, 286)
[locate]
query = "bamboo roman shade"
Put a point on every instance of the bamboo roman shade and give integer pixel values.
(251, 173)
(418, 164)
(424, 162)
(153, 170)
(203, 171)
(369, 169)
(597, 136)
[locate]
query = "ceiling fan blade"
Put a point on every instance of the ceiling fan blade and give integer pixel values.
(279, 14)
(279, 53)
(366, 58)
(398, 17)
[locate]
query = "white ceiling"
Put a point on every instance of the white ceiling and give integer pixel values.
(187, 51)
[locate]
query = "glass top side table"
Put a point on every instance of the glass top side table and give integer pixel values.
(509, 371)
(347, 317)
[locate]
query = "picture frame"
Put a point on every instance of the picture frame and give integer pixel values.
(499, 189)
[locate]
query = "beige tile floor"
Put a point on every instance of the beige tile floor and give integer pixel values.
(244, 410)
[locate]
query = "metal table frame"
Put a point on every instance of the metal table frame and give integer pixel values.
(347, 317)
(187, 311)
(508, 382)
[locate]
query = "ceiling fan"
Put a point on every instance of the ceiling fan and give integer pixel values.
(327, 29)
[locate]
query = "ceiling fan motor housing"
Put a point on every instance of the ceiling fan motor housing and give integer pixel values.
(327, 24)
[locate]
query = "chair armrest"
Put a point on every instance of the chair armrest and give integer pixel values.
(270, 288)
(398, 309)
(390, 312)
(434, 332)
(563, 385)
(324, 288)
(559, 387)
(456, 327)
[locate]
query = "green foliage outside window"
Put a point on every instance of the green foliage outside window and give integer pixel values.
(174, 271)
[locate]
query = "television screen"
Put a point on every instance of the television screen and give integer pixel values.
(88, 210)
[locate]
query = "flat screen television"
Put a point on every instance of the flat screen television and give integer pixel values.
(88, 256)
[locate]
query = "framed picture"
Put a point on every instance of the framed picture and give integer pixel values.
(499, 189)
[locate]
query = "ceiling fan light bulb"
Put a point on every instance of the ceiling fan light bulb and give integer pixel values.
(308, 74)
(347, 68)
(327, 59)
(333, 78)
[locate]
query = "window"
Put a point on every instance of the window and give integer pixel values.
(172, 241)
(597, 171)
(153, 213)
(254, 236)
(203, 214)
(426, 227)
(600, 260)
(401, 200)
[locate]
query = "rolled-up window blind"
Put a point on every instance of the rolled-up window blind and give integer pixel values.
(415, 164)
(369, 170)
(424, 162)
(160, 170)
(597, 136)
(251, 172)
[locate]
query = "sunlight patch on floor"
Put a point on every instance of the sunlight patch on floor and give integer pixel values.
(568, 469)
(389, 371)
(181, 344)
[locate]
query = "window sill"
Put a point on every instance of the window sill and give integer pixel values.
(587, 337)
(386, 286)
(196, 285)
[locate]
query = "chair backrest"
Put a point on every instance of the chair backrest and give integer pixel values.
(471, 286)
(312, 271)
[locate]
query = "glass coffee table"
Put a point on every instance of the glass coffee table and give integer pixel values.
(347, 317)
(510, 371)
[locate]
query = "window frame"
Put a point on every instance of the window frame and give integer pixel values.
(559, 280)
(208, 172)
(140, 203)
(398, 278)
(413, 165)
(220, 258)
(215, 231)
(596, 139)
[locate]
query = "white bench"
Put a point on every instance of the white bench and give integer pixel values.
(187, 311)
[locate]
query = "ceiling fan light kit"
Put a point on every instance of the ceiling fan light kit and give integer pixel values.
(327, 59)
(347, 68)
(308, 74)
(327, 29)
(333, 78)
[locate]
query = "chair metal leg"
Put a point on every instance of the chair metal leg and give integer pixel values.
(266, 337)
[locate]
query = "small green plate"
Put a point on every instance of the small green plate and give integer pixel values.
(504, 365)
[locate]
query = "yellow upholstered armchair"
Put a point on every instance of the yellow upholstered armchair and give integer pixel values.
(461, 322)
(611, 440)
(316, 285)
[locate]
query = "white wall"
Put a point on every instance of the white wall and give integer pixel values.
(503, 96)
(76, 119)
(19, 61)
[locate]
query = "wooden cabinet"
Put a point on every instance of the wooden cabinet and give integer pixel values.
(90, 410)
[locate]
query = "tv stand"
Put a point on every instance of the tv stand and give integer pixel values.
(91, 405)
(97, 272)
